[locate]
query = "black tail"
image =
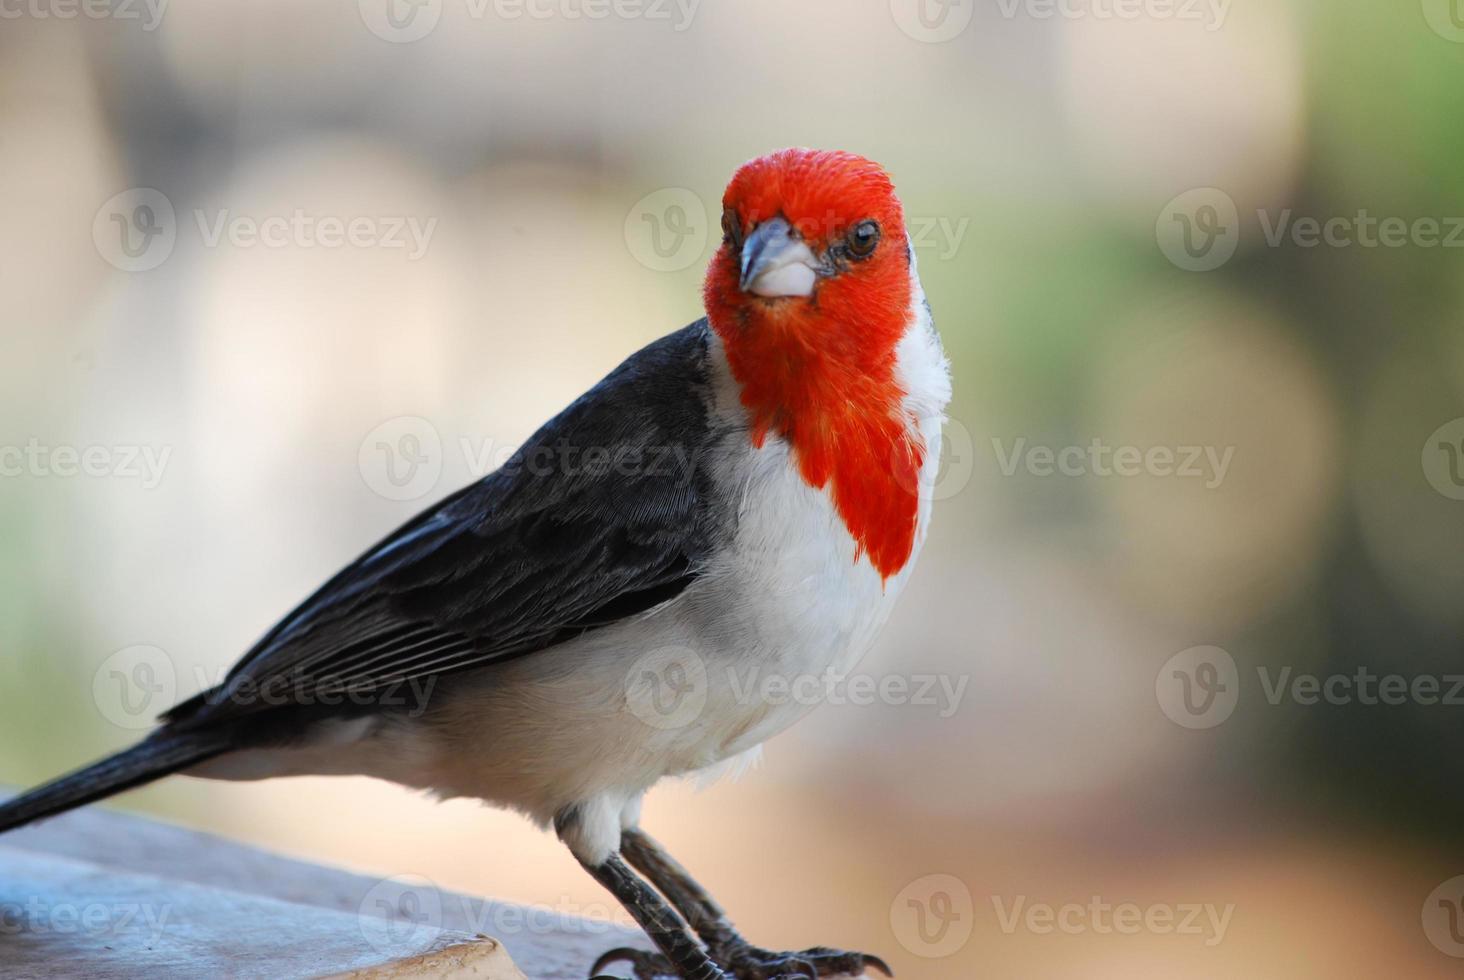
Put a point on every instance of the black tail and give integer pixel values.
(161, 753)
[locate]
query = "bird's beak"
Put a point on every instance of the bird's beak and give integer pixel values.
(776, 262)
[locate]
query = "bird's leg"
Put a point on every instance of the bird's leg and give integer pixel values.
(681, 956)
(728, 948)
(701, 911)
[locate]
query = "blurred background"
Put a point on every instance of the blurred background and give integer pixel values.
(276, 275)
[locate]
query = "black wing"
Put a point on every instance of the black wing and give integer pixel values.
(600, 515)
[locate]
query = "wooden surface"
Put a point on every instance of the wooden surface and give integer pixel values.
(104, 895)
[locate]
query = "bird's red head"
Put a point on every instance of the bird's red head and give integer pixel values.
(810, 293)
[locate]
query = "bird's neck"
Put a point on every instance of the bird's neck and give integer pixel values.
(832, 390)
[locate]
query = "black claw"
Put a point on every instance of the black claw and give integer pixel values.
(751, 963)
(624, 953)
(878, 964)
(645, 965)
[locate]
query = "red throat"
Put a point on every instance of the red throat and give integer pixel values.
(820, 371)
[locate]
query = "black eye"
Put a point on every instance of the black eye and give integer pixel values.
(732, 227)
(863, 239)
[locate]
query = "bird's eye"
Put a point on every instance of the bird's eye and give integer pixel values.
(732, 227)
(864, 238)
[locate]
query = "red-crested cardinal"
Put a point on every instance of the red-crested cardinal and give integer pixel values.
(748, 493)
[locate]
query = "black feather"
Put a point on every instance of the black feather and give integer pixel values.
(601, 515)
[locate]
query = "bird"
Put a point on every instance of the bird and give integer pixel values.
(744, 496)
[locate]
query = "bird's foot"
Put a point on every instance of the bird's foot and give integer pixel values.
(745, 962)
(644, 965)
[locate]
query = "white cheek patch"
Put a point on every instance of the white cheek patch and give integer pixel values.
(793, 279)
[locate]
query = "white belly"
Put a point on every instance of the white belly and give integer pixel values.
(737, 657)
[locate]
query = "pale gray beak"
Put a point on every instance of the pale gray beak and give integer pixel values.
(776, 262)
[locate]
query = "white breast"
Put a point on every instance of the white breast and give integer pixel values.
(790, 591)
